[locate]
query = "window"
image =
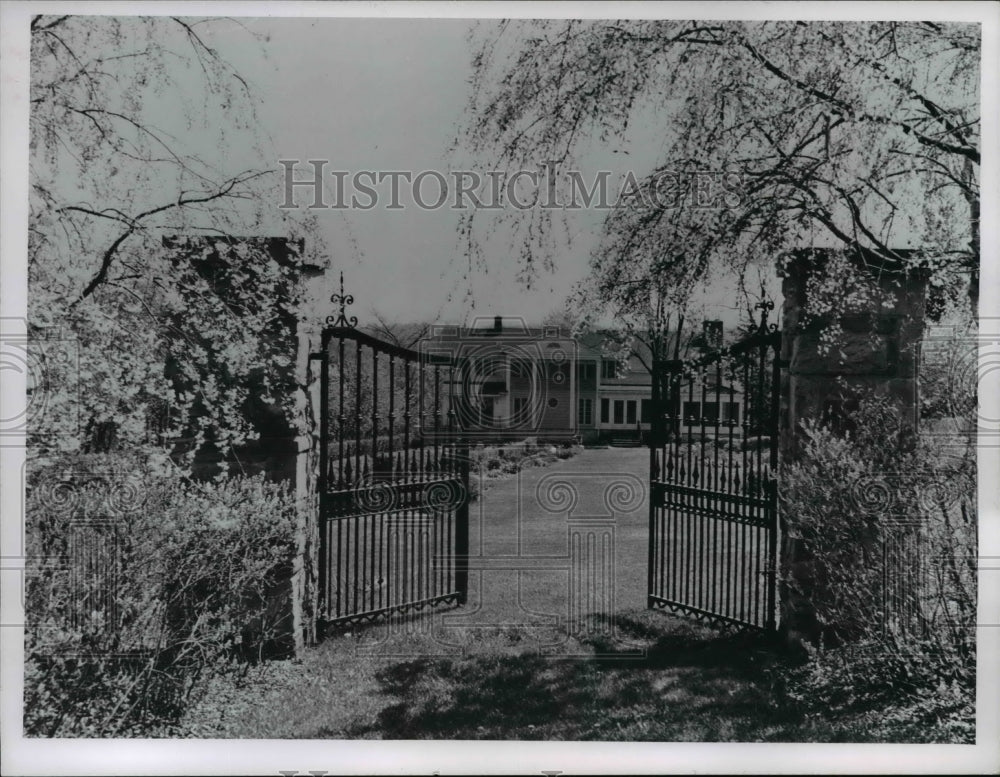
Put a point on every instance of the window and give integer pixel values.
(493, 388)
(630, 411)
(605, 411)
(692, 412)
(484, 366)
(520, 368)
(619, 411)
(609, 369)
(585, 412)
(487, 365)
(711, 412)
(731, 412)
(646, 411)
(520, 407)
(586, 371)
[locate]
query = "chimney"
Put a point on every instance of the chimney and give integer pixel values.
(498, 323)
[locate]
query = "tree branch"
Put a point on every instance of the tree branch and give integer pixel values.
(135, 223)
(850, 110)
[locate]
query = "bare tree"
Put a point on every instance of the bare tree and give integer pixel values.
(403, 335)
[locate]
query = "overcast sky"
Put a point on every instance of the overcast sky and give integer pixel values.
(389, 94)
(384, 95)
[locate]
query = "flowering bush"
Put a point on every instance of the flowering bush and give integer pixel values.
(146, 588)
(887, 562)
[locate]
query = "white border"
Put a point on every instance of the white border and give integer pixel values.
(21, 756)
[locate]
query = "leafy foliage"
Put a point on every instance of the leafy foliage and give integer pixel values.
(162, 582)
(889, 543)
(825, 133)
(949, 375)
(142, 131)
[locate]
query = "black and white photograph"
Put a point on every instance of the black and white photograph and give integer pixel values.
(500, 388)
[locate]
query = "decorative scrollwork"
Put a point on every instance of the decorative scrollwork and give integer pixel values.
(445, 496)
(765, 306)
(343, 300)
(61, 497)
(873, 494)
(555, 494)
(624, 495)
(936, 493)
(126, 496)
(373, 496)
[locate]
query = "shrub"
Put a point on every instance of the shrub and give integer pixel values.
(165, 580)
(886, 527)
(495, 463)
(909, 684)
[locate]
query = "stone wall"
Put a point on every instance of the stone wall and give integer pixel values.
(866, 343)
(306, 580)
(875, 347)
(286, 445)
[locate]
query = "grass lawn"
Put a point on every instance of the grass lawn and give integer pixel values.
(526, 658)
(690, 684)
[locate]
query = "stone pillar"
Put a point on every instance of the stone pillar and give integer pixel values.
(875, 345)
(306, 577)
(286, 444)
(852, 325)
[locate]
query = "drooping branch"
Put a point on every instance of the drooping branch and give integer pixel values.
(136, 222)
(792, 113)
(852, 111)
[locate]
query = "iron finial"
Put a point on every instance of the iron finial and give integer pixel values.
(343, 300)
(764, 307)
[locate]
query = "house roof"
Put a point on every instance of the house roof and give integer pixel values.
(589, 346)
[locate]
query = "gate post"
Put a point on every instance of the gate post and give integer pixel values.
(310, 372)
(462, 527)
(878, 351)
(653, 442)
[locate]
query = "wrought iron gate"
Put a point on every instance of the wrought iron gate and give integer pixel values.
(713, 525)
(394, 519)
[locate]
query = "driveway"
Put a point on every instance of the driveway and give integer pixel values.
(558, 550)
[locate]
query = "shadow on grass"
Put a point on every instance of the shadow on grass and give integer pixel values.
(692, 685)
(672, 642)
